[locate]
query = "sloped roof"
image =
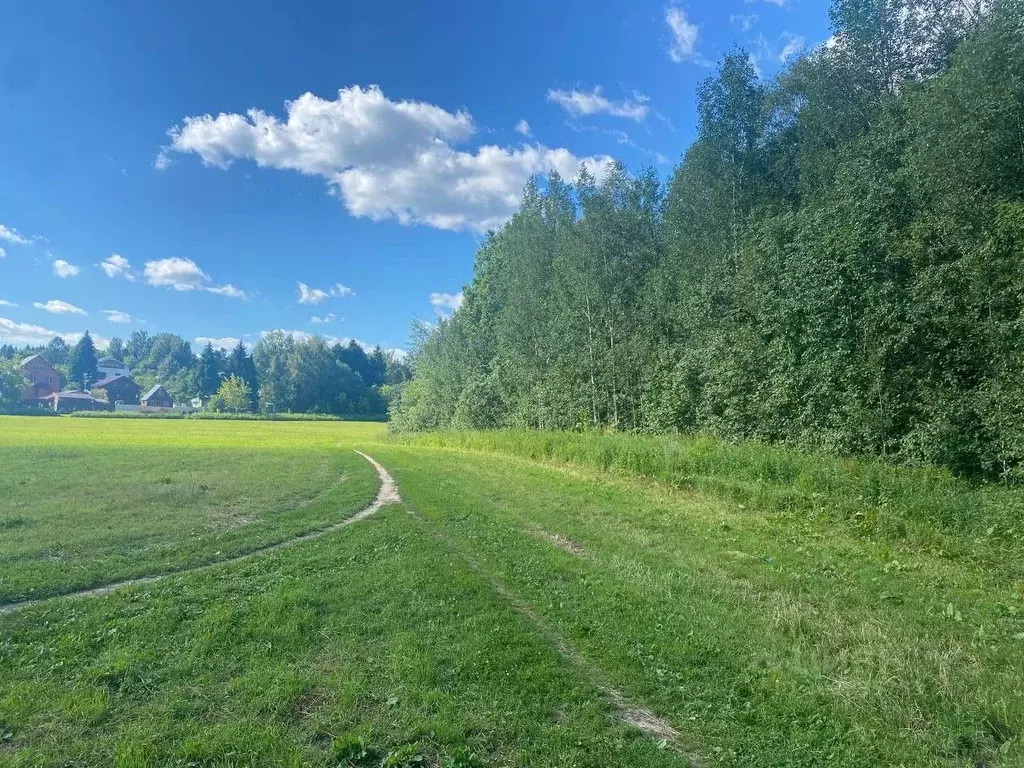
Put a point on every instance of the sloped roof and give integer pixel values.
(153, 391)
(111, 379)
(110, 362)
(30, 358)
(72, 394)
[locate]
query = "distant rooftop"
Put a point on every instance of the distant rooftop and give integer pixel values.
(152, 392)
(72, 394)
(110, 362)
(110, 380)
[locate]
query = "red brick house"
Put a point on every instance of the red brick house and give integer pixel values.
(44, 378)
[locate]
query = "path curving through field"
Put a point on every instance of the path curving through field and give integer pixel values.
(388, 494)
(622, 709)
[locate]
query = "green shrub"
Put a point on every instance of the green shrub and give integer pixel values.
(26, 410)
(215, 416)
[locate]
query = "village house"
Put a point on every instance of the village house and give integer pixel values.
(110, 367)
(119, 389)
(43, 378)
(73, 400)
(157, 397)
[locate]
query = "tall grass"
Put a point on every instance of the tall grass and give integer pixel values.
(880, 496)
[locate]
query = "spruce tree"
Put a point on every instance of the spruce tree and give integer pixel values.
(82, 362)
(209, 371)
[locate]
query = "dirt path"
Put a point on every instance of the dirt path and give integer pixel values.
(624, 710)
(388, 494)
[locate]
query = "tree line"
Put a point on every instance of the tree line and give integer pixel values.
(280, 374)
(836, 263)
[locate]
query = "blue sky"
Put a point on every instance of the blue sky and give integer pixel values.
(163, 168)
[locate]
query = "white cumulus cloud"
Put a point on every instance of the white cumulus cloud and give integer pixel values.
(328, 318)
(116, 265)
(443, 301)
(12, 235)
(58, 307)
(63, 269)
(185, 275)
(684, 35)
(26, 333)
(5, 303)
(384, 159)
(579, 103)
(179, 274)
(523, 127)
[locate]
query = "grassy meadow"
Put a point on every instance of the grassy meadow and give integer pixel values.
(86, 502)
(771, 607)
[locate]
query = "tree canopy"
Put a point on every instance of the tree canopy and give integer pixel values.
(835, 263)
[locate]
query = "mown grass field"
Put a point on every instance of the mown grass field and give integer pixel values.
(769, 623)
(88, 501)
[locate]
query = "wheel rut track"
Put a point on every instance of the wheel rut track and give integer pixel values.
(623, 709)
(387, 494)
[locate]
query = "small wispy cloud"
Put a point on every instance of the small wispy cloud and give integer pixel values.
(684, 35)
(226, 343)
(745, 21)
(226, 290)
(116, 265)
(580, 103)
(523, 127)
(309, 295)
(58, 307)
(794, 44)
(11, 235)
(117, 316)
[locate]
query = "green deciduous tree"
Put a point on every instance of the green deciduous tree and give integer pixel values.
(116, 349)
(240, 365)
(835, 263)
(12, 383)
(233, 396)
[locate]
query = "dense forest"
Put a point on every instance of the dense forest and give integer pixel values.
(281, 374)
(837, 262)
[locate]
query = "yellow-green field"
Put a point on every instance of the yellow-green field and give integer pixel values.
(521, 607)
